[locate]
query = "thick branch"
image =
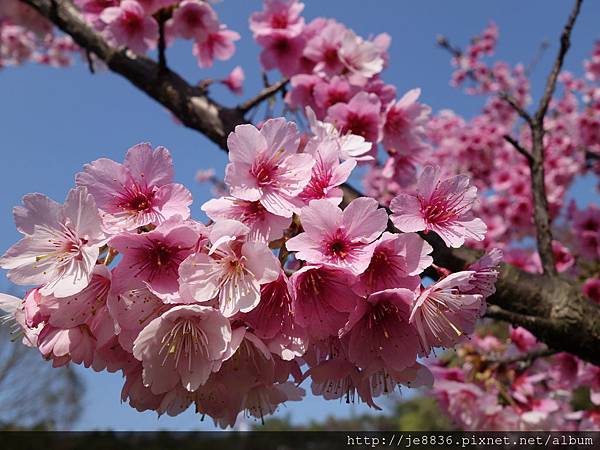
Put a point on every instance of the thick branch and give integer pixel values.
(188, 103)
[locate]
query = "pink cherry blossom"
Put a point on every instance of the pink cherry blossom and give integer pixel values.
(79, 308)
(339, 238)
(132, 309)
(265, 166)
(443, 206)
(379, 333)
(362, 58)
(360, 116)
(280, 51)
(264, 226)
(486, 270)
(323, 49)
(194, 19)
(235, 80)
(327, 173)
(182, 347)
(591, 289)
(138, 192)
(405, 122)
(154, 257)
(273, 320)
(280, 17)
(217, 45)
(351, 146)
(321, 299)
(397, 261)
(128, 24)
(233, 270)
(60, 245)
(442, 314)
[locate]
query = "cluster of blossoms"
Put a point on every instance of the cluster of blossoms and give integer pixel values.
(283, 284)
(336, 73)
(135, 24)
(27, 36)
(208, 314)
(348, 94)
(492, 383)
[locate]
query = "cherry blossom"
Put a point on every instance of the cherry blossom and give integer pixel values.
(265, 166)
(138, 192)
(342, 239)
(60, 243)
(440, 205)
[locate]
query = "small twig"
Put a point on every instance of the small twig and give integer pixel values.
(537, 58)
(525, 359)
(90, 61)
(162, 57)
(444, 43)
(263, 95)
(515, 105)
(522, 150)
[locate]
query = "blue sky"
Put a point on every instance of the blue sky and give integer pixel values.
(53, 121)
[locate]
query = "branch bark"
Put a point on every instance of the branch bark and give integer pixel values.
(550, 307)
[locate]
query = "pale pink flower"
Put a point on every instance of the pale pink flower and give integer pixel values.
(235, 80)
(563, 257)
(132, 310)
(130, 25)
(443, 315)
(217, 45)
(233, 270)
(79, 308)
(327, 173)
(443, 206)
(280, 17)
(361, 116)
(138, 192)
(92, 9)
(335, 90)
(405, 121)
(264, 226)
(351, 146)
(486, 273)
(523, 339)
(183, 346)
(194, 19)
(397, 261)
(339, 238)
(362, 58)
(265, 165)
(62, 346)
(281, 52)
(324, 47)
(154, 257)
(273, 320)
(379, 334)
(321, 299)
(60, 246)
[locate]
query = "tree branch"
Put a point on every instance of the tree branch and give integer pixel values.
(522, 150)
(188, 103)
(263, 95)
(540, 200)
(550, 307)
